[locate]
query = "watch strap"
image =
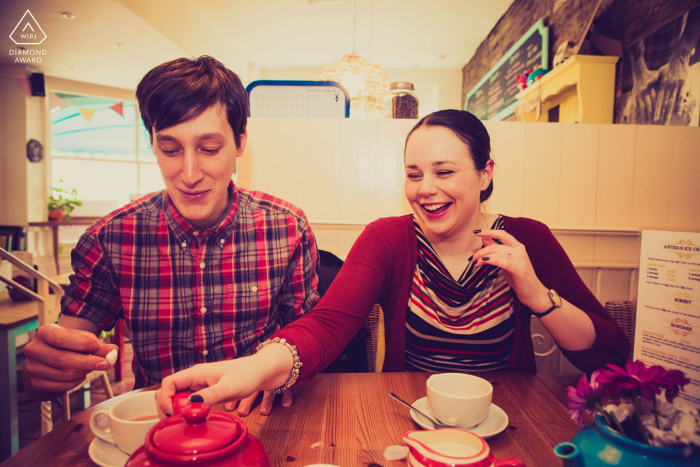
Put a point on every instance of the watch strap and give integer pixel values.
(541, 315)
(555, 304)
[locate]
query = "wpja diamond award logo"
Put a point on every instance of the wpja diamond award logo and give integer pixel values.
(28, 32)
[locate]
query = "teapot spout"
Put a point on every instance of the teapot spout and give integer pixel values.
(570, 455)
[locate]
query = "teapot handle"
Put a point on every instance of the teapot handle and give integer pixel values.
(510, 462)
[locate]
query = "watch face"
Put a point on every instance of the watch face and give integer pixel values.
(554, 296)
(35, 151)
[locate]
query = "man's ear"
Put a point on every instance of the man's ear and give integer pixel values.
(244, 140)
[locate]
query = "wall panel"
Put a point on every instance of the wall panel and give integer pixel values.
(542, 174)
(508, 151)
(358, 170)
(321, 178)
(652, 180)
(579, 174)
(684, 175)
(615, 194)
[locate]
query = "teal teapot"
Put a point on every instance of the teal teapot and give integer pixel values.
(596, 445)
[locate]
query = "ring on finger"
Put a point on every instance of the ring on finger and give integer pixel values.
(508, 256)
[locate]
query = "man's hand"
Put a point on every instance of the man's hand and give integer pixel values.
(246, 404)
(58, 359)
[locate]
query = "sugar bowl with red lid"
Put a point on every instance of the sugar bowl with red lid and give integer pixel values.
(197, 436)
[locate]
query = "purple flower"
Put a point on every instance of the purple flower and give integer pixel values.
(649, 381)
(672, 382)
(584, 397)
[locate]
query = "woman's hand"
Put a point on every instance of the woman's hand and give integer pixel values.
(512, 257)
(232, 381)
(571, 327)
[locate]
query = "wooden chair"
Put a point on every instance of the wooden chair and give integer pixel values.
(375, 341)
(49, 314)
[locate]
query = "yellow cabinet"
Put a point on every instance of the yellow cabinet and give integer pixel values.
(580, 90)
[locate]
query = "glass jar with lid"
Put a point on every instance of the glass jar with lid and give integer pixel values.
(404, 103)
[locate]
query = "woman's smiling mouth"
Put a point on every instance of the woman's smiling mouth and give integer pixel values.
(435, 209)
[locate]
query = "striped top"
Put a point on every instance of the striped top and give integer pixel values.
(463, 325)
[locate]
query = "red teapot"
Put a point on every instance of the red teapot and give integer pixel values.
(198, 437)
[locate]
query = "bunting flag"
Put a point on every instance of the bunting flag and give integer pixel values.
(118, 108)
(87, 113)
(24, 84)
(55, 101)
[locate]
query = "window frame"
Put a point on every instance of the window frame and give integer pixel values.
(49, 135)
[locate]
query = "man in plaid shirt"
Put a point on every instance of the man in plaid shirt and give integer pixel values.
(201, 272)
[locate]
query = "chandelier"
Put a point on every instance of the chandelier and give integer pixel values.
(362, 79)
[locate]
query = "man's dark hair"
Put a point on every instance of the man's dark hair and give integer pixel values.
(180, 90)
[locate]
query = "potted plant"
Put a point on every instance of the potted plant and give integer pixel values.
(640, 422)
(62, 202)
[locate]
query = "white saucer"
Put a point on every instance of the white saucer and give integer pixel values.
(106, 455)
(495, 422)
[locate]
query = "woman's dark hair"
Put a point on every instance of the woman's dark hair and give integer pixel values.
(180, 90)
(467, 127)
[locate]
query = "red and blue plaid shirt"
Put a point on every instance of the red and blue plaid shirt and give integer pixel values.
(192, 297)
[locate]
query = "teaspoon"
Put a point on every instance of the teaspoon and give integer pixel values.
(435, 423)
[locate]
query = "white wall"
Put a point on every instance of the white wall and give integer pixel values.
(595, 177)
(449, 81)
(13, 139)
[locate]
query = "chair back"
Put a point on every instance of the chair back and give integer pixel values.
(625, 315)
(365, 352)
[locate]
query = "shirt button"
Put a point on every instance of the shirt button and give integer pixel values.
(205, 353)
(196, 233)
(202, 265)
(184, 244)
(254, 288)
(222, 241)
(203, 309)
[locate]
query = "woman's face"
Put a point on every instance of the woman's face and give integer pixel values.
(442, 184)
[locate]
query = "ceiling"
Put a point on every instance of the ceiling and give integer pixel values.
(115, 42)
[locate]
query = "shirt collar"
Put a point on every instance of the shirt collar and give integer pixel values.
(185, 233)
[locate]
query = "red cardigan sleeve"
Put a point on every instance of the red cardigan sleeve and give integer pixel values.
(555, 270)
(321, 334)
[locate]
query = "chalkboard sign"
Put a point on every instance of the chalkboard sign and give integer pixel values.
(493, 98)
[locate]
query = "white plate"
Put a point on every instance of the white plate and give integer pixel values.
(106, 455)
(495, 422)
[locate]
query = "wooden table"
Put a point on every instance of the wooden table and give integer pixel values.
(15, 318)
(354, 420)
(54, 231)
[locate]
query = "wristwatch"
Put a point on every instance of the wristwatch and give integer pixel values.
(556, 303)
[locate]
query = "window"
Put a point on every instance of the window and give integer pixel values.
(100, 147)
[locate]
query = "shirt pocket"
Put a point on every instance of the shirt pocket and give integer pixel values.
(247, 307)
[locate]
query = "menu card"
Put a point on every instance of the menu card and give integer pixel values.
(668, 305)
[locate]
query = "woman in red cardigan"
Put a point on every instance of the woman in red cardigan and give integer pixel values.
(457, 286)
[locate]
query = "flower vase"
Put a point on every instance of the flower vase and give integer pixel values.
(596, 445)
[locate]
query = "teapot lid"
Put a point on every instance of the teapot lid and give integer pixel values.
(196, 431)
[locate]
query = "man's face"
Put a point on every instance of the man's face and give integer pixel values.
(197, 159)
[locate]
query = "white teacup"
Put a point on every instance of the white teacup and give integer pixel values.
(459, 400)
(126, 431)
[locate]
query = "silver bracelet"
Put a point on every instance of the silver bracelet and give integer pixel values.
(294, 375)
